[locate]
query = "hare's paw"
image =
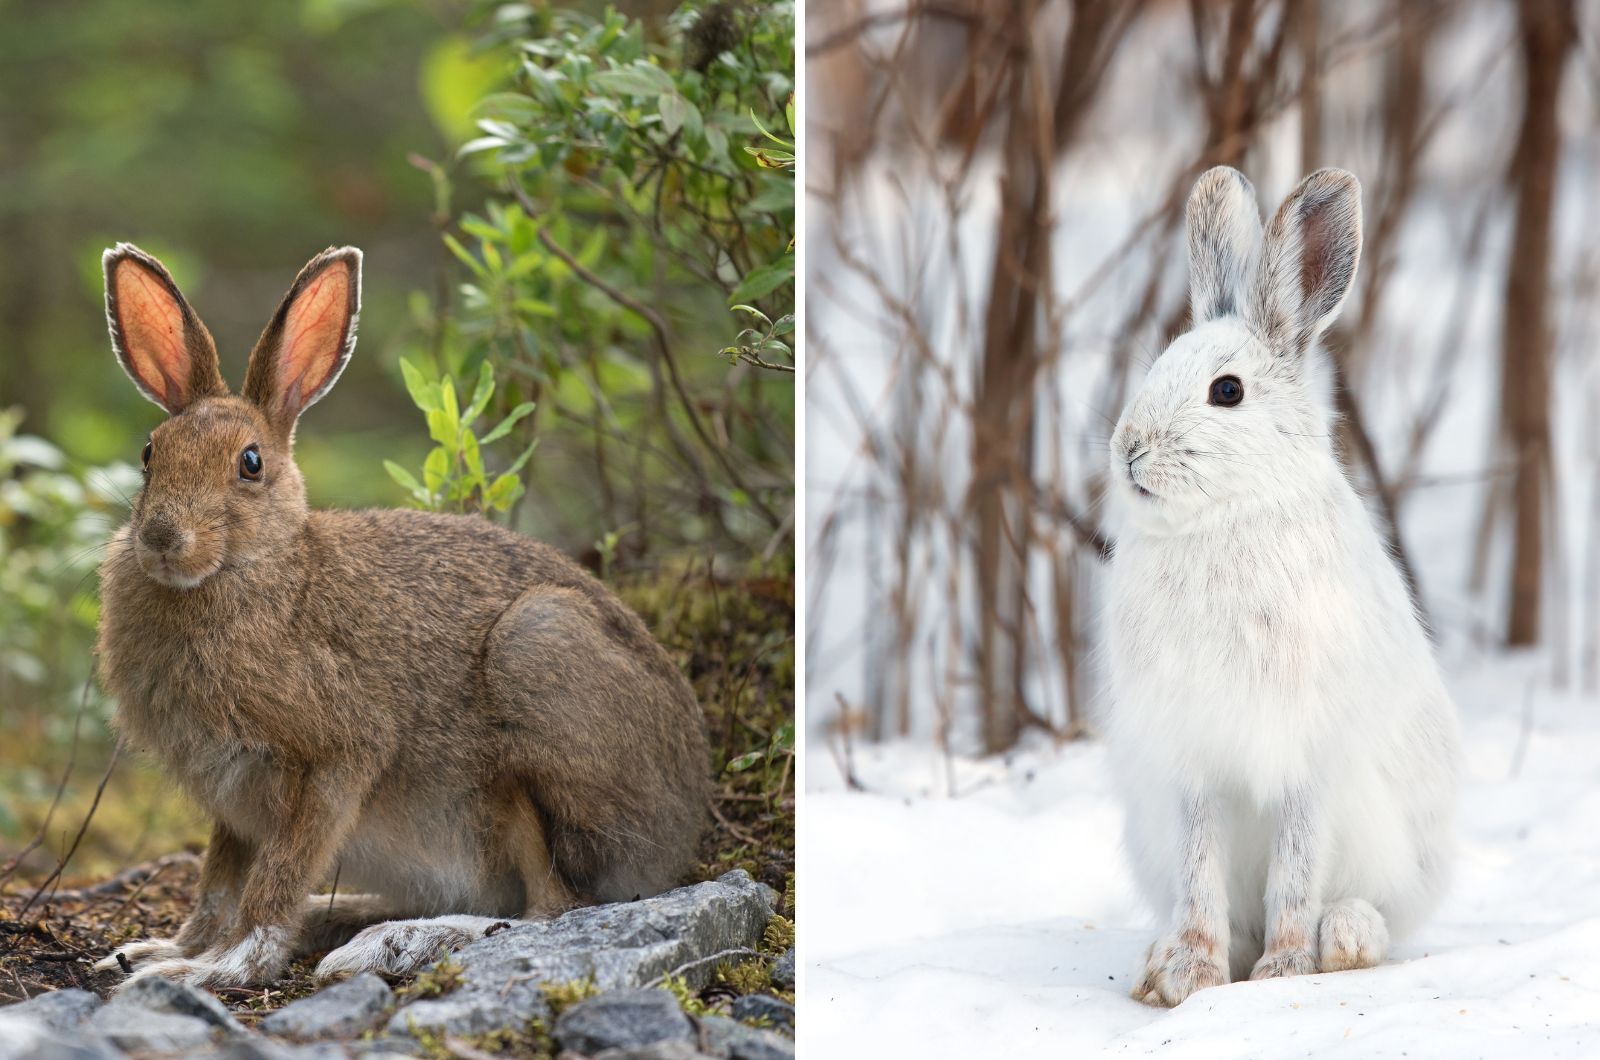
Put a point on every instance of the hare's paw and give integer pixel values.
(1353, 935)
(401, 947)
(1177, 966)
(139, 953)
(1278, 964)
(259, 958)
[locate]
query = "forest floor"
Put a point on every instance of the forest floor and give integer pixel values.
(1017, 928)
(734, 637)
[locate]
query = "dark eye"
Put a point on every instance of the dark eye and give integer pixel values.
(1227, 391)
(250, 464)
(145, 456)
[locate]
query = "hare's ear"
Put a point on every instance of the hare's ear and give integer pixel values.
(1224, 240)
(157, 338)
(308, 341)
(1309, 261)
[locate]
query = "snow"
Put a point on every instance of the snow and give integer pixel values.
(1002, 920)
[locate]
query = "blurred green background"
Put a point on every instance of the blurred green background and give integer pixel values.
(560, 208)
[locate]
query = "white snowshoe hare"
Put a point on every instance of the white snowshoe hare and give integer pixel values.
(1286, 745)
(440, 715)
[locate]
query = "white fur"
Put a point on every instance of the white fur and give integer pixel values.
(134, 952)
(401, 947)
(259, 957)
(1265, 660)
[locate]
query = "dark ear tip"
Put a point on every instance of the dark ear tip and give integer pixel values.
(349, 255)
(116, 255)
(120, 252)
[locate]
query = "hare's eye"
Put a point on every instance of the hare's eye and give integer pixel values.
(1227, 391)
(144, 457)
(250, 464)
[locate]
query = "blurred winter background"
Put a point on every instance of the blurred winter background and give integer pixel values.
(995, 256)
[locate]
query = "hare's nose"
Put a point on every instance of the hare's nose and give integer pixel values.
(162, 534)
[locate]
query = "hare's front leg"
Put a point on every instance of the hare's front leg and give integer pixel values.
(221, 877)
(1294, 890)
(295, 849)
(1194, 953)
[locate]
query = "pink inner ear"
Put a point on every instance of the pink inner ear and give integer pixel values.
(313, 336)
(152, 333)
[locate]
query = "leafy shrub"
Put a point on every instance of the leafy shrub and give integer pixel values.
(642, 212)
(54, 521)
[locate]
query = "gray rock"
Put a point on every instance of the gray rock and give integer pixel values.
(28, 1038)
(659, 1051)
(257, 1048)
(133, 1028)
(60, 1010)
(623, 1019)
(628, 944)
(252, 1049)
(341, 1011)
(764, 1007)
(783, 970)
(386, 1046)
(738, 1041)
(178, 999)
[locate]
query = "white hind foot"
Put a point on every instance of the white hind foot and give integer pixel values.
(1353, 935)
(137, 953)
(401, 947)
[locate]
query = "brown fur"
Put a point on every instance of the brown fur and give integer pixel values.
(451, 715)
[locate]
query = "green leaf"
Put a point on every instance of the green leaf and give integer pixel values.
(435, 468)
(504, 427)
(776, 197)
(636, 79)
(473, 458)
(452, 412)
(674, 109)
(717, 140)
(482, 394)
(406, 480)
(503, 492)
(760, 282)
(465, 256)
(439, 428)
(744, 761)
(424, 395)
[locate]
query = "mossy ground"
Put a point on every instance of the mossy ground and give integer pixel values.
(734, 638)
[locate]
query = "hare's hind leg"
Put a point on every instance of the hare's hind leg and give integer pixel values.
(401, 947)
(524, 848)
(329, 921)
(1352, 935)
(609, 737)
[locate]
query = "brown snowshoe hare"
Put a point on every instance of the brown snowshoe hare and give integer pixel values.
(448, 719)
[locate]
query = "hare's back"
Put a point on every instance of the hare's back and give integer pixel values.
(450, 567)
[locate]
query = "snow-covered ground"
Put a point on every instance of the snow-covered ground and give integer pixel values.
(1003, 921)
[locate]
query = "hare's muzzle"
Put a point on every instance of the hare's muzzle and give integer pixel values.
(169, 554)
(162, 535)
